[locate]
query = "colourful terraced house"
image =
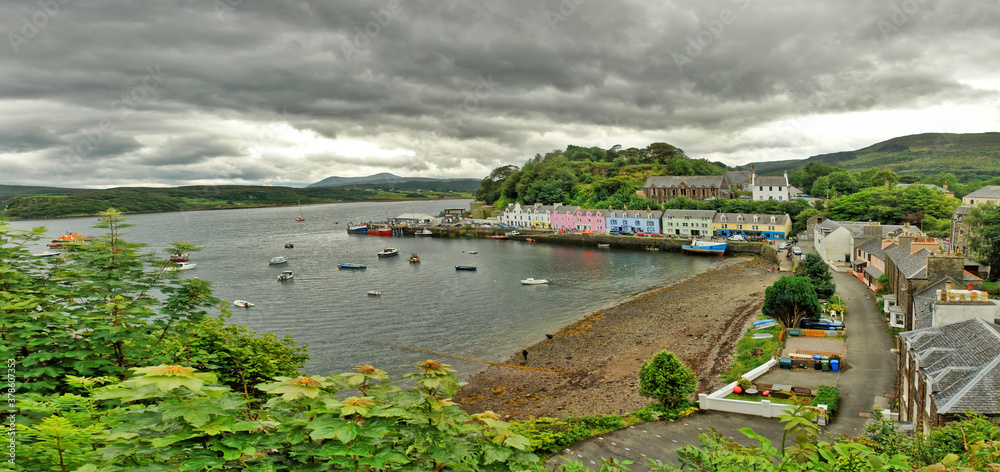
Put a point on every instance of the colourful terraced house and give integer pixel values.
(574, 218)
(633, 221)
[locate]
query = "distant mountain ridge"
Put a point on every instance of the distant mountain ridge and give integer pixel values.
(973, 156)
(386, 179)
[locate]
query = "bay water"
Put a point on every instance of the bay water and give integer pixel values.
(485, 315)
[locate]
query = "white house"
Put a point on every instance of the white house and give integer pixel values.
(767, 187)
(528, 216)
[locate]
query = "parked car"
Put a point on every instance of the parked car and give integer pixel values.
(796, 250)
(821, 323)
(783, 245)
(737, 237)
(515, 233)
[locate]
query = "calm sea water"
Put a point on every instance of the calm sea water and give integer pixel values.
(486, 314)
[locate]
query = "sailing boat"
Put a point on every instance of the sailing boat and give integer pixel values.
(301, 216)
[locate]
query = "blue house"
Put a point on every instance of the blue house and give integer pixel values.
(633, 221)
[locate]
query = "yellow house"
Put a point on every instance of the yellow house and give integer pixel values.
(752, 225)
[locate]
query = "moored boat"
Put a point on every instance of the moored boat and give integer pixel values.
(278, 260)
(48, 254)
(389, 252)
(424, 232)
(414, 258)
(353, 228)
(531, 281)
(285, 275)
(705, 247)
(500, 236)
(182, 266)
(67, 238)
(374, 293)
(350, 265)
(459, 267)
(179, 257)
(380, 231)
(242, 303)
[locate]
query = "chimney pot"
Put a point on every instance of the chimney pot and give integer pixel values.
(947, 285)
(969, 286)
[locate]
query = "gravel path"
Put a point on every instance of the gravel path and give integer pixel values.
(699, 319)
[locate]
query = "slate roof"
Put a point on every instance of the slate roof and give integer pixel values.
(873, 247)
(963, 210)
(668, 181)
(922, 301)
(962, 362)
(651, 214)
(691, 213)
(737, 177)
(873, 271)
(913, 266)
(771, 180)
(989, 191)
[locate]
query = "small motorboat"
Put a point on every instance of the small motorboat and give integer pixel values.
(500, 236)
(285, 275)
(243, 303)
(278, 260)
(531, 281)
(66, 239)
(182, 266)
(289, 245)
(473, 252)
(465, 267)
(414, 258)
(424, 232)
(603, 245)
(48, 254)
(179, 257)
(374, 293)
(348, 265)
(389, 252)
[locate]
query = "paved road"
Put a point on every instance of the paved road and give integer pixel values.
(870, 374)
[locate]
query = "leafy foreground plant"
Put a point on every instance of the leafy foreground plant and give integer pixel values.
(173, 418)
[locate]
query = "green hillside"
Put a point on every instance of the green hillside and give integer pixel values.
(967, 156)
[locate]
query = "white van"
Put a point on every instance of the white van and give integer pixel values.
(796, 250)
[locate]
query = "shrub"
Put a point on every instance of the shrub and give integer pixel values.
(743, 383)
(667, 379)
(829, 396)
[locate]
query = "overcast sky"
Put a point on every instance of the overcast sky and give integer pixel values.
(286, 92)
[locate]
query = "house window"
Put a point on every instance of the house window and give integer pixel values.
(650, 223)
(770, 189)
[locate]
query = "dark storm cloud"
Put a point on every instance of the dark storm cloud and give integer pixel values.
(206, 86)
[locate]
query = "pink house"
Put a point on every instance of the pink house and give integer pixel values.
(564, 217)
(592, 220)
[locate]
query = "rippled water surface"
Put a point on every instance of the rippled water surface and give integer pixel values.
(486, 314)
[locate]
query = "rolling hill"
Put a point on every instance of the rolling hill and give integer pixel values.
(968, 156)
(387, 180)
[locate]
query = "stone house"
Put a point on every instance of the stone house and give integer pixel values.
(696, 187)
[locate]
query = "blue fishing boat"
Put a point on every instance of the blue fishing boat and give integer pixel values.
(357, 228)
(705, 247)
(348, 265)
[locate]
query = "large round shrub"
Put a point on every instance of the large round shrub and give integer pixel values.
(667, 379)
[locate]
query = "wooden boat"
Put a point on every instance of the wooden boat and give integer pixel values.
(179, 257)
(459, 267)
(285, 275)
(242, 303)
(705, 247)
(531, 281)
(278, 260)
(348, 265)
(388, 252)
(414, 258)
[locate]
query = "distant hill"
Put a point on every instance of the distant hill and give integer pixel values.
(968, 156)
(387, 180)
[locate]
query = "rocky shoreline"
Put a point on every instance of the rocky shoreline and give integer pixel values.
(593, 364)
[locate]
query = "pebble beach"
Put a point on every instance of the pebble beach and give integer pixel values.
(591, 366)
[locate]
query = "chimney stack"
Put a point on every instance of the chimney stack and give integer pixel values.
(947, 285)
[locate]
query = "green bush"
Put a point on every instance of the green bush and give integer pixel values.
(829, 396)
(667, 379)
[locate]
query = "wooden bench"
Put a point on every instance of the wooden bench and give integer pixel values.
(802, 391)
(763, 386)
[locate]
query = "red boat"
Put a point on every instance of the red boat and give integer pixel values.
(500, 236)
(380, 231)
(61, 241)
(179, 257)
